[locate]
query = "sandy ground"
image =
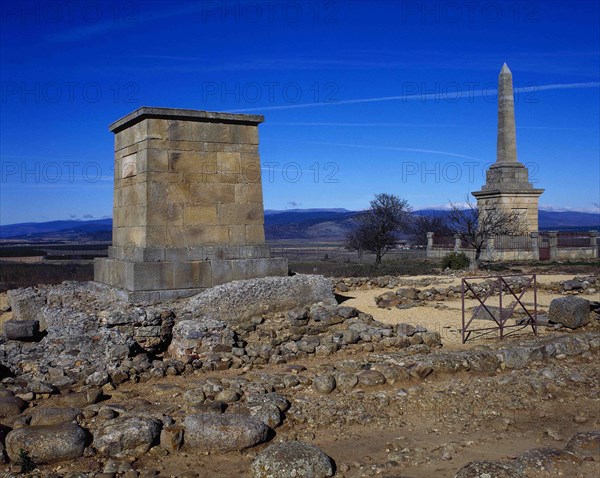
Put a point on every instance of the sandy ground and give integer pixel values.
(445, 316)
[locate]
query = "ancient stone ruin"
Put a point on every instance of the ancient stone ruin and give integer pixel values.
(188, 207)
(507, 185)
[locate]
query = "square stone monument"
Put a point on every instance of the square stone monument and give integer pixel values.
(188, 206)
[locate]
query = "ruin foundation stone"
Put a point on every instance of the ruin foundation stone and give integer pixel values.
(188, 206)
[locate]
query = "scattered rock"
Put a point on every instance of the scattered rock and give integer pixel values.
(488, 469)
(292, 459)
(223, 432)
(387, 300)
(572, 284)
(53, 416)
(11, 406)
(123, 437)
(547, 462)
(228, 395)
(266, 412)
(22, 329)
(405, 329)
(324, 384)
(26, 304)
(570, 311)
(585, 445)
(47, 444)
(171, 438)
(371, 378)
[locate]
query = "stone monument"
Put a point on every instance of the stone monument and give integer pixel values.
(507, 184)
(188, 205)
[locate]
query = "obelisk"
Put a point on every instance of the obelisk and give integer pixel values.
(507, 136)
(507, 185)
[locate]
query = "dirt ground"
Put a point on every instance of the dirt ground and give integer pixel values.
(429, 429)
(418, 429)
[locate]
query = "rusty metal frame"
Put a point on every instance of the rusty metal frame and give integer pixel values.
(499, 285)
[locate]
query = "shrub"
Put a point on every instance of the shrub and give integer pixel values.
(455, 261)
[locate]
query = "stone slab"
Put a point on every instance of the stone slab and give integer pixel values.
(182, 114)
(151, 282)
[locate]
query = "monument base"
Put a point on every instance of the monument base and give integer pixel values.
(150, 282)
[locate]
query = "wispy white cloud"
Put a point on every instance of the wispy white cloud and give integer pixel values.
(123, 23)
(424, 125)
(396, 148)
(361, 59)
(463, 94)
(411, 125)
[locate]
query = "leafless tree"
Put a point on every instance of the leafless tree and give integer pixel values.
(355, 242)
(378, 227)
(475, 226)
(422, 224)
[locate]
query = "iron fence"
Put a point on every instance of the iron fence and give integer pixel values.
(444, 242)
(511, 243)
(573, 239)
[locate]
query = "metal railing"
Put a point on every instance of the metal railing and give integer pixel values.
(502, 313)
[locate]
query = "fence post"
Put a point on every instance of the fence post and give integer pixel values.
(457, 243)
(553, 240)
(490, 249)
(429, 249)
(594, 243)
(535, 245)
(429, 240)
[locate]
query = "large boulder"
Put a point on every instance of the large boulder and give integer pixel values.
(47, 444)
(26, 304)
(21, 329)
(548, 462)
(124, 437)
(292, 459)
(491, 469)
(585, 445)
(200, 336)
(222, 433)
(570, 311)
(387, 300)
(324, 384)
(11, 406)
(239, 301)
(53, 415)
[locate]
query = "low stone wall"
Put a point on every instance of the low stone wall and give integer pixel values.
(520, 248)
(434, 288)
(86, 337)
(574, 253)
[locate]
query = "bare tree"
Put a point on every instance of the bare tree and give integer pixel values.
(475, 226)
(355, 241)
(422, 224)
(378, 227)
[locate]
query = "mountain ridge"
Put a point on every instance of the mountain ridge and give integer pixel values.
(315, 223)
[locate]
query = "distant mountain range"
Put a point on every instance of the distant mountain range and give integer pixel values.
(309, 224)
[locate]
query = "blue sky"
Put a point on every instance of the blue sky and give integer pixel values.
(359, 97)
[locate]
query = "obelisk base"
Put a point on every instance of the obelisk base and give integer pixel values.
(151, 282)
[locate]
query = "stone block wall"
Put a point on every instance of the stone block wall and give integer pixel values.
(188, 204)
(524, 204)
(187, 183)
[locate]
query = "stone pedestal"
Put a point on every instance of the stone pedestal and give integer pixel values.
(188, 208)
